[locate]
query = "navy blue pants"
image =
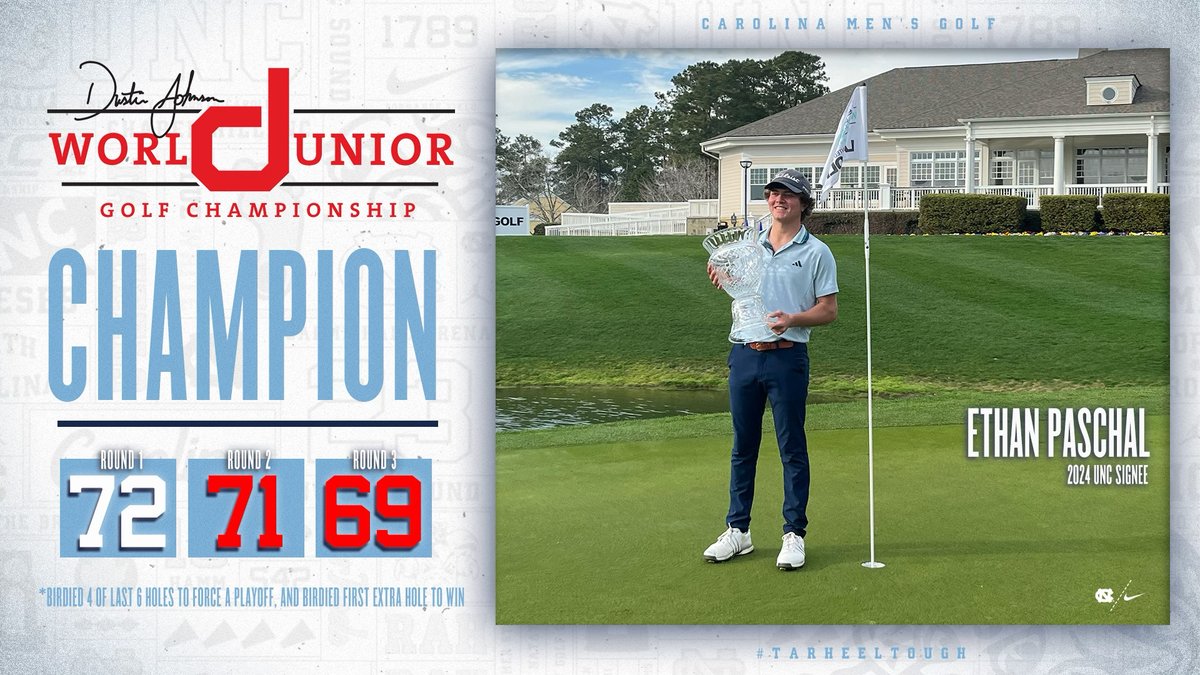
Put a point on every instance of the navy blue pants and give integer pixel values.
(781, 377)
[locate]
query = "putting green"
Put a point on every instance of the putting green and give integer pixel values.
(613, 532)
(606, 523)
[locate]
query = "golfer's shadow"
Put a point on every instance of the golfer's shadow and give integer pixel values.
(760, 553)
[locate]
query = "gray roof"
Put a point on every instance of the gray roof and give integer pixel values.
(939, 96)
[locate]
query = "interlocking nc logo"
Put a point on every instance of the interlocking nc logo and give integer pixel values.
(1104, 595)
(215, 117)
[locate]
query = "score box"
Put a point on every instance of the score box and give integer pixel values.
(374, 512)
(117, 512)
(250, 512)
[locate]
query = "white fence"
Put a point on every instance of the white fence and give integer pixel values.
(696, 208)
(662, 219)
(886, 197)
(679, 212)
(849, 199)
(1033, 193)
(703, 208)
(619, 229)
(910, 198)
(1099, 190)
(623, 208)
(670, 220)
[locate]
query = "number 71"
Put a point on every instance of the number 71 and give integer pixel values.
(270, 539)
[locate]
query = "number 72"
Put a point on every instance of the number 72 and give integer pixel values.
(92, 539)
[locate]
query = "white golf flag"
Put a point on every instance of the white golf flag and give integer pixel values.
(850, 141)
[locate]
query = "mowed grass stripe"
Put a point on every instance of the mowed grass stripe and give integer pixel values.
(1030, 264)
(1023, 270)
(640, 311)
(612, 533)
(1006, 309)
(572, 312)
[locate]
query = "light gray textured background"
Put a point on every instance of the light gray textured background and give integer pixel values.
(441, 55)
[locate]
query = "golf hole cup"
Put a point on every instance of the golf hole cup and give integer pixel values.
(735, 257)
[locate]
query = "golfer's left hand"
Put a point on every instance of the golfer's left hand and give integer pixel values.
(712, 276)
(779, 321)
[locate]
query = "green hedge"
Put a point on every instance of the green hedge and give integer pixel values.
(977, 214)
(1137, 212)
(851, 222)
(1070, 213)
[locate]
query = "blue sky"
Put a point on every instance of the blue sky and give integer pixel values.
(538, 91)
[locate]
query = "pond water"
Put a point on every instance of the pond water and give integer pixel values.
(546, 407)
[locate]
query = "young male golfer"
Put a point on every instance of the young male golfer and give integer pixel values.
(799, 286)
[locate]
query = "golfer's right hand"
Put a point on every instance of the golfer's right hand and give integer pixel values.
(712, 276)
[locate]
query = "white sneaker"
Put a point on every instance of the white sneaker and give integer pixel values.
(792, 555)
(732, 542)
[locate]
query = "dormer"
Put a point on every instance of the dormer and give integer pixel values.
(1111, 90)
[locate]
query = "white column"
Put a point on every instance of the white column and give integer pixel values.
(985, 163)
(1152, 160)
(970, 161)
(1060, 169)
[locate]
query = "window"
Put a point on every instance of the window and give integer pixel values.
(1110, 165)
(1135, 168)
(1046, 168)
(852, 176)
(1087, 165)
(943, 168)
(759, 177)
(1031, 166)
(892, 173)
(1035, 167)
(920, 168)
(1003, 167)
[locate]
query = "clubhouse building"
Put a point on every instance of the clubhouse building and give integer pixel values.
(1092, 125)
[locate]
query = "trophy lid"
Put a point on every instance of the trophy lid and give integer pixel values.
(729, 235)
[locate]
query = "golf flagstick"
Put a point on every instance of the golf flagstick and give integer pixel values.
(850, 142)
(872, 563)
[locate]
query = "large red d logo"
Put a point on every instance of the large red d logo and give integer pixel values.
(216, 117)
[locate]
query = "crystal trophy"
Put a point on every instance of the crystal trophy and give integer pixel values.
(736, 257)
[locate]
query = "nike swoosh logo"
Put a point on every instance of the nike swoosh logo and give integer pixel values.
(1127, 598)
(396, 85)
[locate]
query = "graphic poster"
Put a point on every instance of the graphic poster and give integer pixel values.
(248, 333)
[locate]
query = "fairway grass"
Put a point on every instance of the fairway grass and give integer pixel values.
(946, 311)
(606, 523)
(613, 532)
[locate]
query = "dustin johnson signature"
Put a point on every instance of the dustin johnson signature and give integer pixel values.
(106, 89)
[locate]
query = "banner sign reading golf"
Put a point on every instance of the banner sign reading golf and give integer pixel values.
(512, 221)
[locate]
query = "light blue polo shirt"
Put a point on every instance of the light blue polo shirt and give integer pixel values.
(795, 276)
